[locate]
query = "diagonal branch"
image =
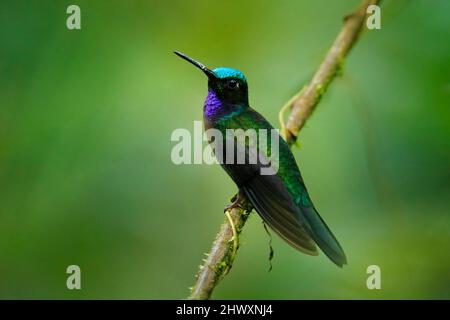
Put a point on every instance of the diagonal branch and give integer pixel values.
(220, 259)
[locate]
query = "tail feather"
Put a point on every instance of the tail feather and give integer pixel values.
(322, 235)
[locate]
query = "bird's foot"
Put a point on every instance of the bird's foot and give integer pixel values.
(238, 201)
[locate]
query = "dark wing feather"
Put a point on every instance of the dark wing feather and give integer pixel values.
(282, 199)
(274, 204)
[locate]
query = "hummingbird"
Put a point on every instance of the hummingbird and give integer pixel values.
(281, 199)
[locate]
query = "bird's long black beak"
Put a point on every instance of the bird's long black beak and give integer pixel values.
(199, 65)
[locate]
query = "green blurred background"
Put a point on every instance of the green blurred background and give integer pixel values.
(85, 170)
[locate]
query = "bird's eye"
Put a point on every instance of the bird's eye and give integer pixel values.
(233, 84)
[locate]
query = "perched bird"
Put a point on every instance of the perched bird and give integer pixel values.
(280, 199)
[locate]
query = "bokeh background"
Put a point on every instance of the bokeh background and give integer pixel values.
(85, 123)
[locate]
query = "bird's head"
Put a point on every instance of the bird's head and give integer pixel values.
(230, 85)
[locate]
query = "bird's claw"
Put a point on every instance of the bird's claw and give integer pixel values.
(238, 201)
(233, 205)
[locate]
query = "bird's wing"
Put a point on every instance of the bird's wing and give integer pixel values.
(272, 201)
(282, 199)
(300, 225)
(267, 193)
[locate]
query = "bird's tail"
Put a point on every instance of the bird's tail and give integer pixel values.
(322, 235)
